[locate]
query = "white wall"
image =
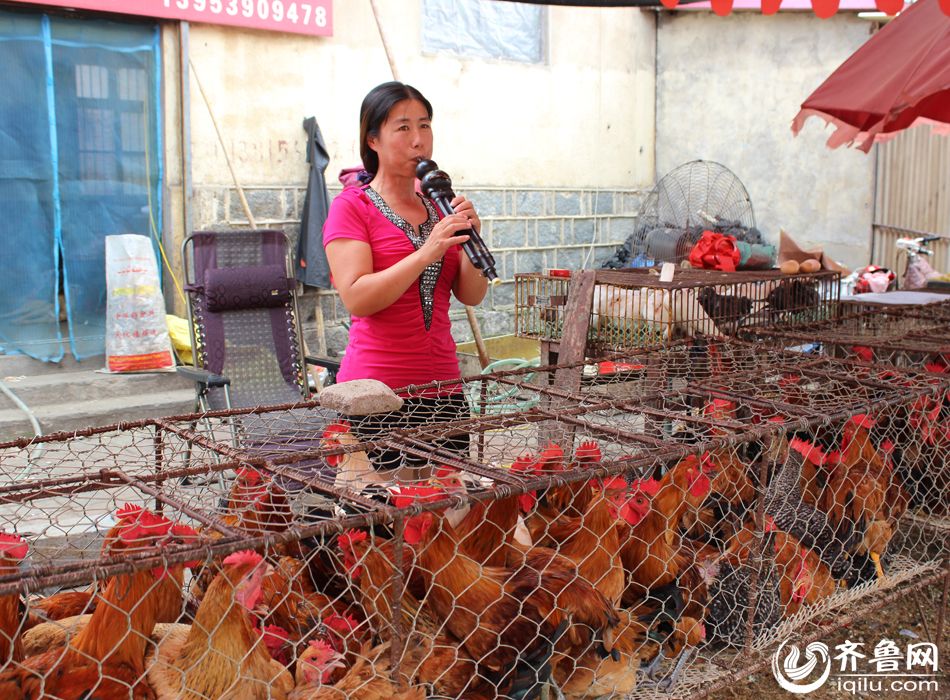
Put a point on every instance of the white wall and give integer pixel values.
(582, 119)
(727, 90)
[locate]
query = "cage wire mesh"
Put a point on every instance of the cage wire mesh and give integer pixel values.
(652, 531)
(632, 308)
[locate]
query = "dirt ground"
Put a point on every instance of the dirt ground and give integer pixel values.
(888, 622)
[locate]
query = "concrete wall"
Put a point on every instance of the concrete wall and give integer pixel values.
(727, 90)
(554, 154)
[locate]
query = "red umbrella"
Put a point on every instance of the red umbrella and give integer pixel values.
(900, 77)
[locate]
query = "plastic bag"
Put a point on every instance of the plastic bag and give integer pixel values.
(136, 331)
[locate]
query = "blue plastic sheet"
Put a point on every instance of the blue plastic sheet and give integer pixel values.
(80, 159)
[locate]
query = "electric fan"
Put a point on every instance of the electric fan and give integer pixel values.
(697, 196)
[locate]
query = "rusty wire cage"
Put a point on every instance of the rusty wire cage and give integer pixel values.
(632, 308)
(654, 531)
(899, 336)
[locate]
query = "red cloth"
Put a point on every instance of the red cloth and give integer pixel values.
(714, 251)
(393, 345)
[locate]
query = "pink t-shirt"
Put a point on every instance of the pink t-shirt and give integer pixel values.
(395, 345)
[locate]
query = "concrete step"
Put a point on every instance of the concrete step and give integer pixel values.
(73, 415)
(49, 388)
(21, 365)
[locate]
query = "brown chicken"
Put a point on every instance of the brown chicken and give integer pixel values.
(593, 675)
(446, 666)
(221, 652)
(106, 659)
(13, 550)
(503, 615)
(367, 678)
(486, 533)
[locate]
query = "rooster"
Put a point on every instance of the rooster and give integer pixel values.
(13, 550)
(220, 652)
(367, 678)
(446, 666)
(503, 615)
(354, 468)
(106, 658)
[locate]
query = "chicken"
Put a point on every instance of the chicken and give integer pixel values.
(501, 615)
(791, 513)
(13, 550)
(636, 316)
(862, 495)
(367, 678)
(290, 600)
(726, 310)
(354, 468)
(653, 556)
(106, 659)
(220, 652)
(802, 577)
(446, 666)
(486, 533)
(571, 500)
(594, 676)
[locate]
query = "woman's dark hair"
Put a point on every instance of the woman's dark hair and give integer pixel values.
(375, 110)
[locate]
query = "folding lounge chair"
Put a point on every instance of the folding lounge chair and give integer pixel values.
(246, 338)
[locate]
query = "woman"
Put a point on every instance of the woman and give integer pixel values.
(395, 264)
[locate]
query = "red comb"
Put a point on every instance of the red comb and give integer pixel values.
(242, 558)
(321, 646)
(770, 524)
(341, 624)
(184, 531)
(935, 367)
(862, 420)
(249, 476)
(812, 453)
(648, 486)
(129, 512)
(275, 631)
(523, 463)
(339, 427)
(588, 452)
(551, 453)
(412, 494)
(863, 352)
(350, 538)
(616, 483)
(13, 545)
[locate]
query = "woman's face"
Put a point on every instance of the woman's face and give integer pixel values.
(404, 138)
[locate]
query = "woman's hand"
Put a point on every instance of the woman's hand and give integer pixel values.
(443, 236)
(467, 209)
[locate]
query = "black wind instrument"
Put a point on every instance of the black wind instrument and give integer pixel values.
(437, 186)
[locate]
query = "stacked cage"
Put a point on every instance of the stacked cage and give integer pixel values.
(911, 338)
(633, 308)
(654, 532)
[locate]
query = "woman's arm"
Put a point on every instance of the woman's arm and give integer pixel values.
(364, 292)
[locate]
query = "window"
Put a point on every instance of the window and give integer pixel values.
(484, 29)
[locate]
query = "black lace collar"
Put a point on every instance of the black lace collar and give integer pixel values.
(429, 276)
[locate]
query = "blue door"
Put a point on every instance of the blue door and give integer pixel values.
(79, 160)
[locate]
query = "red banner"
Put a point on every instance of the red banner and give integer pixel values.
(313, 17)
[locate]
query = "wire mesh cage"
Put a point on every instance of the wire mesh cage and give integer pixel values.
(632, 308)
(651, 532)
